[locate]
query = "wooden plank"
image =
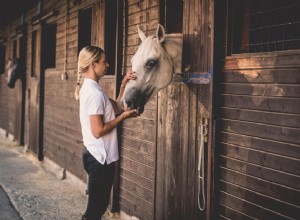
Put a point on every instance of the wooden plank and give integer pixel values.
(141, 6)
(140, 124)
(145, 182)
(142, 17)
(248, 208)
(279, 192)
(271, 118)
(229, 213)
(98, 24)
(137, 145)
(134, 133)
(137, 201)
(272, 90)
(136, 167)
(141, 158)
(284, 149)
(137, 190)
(193, 145)
(278, 76)
(278, 133)
(182, 151)
(263, 60)
(130, 207)
(284, 105)
(276, 162)
(260, 171)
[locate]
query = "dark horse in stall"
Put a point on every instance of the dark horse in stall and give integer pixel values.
(13, 72)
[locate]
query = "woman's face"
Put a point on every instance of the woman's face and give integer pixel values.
(101, 67)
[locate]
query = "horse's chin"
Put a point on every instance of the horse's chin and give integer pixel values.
(125, 107)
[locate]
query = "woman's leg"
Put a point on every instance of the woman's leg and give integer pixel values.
(99, 185)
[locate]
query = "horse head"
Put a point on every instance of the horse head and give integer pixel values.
(12, 72)
(157, 58)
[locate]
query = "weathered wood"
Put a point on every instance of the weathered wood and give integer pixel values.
(137, 190)
(275, 191)
(269, 118)
(263, 61)
(98, 24)
(269, 146)
(277, 133)
(138, 145)
(259, 171)
(270, 90)
(138, 157)
(137, 167)
(139, 212)
(228, 213)
(138, 201)
(143, 181)
(277, 104)
(268, 76)
(244, 206)
(258, 146)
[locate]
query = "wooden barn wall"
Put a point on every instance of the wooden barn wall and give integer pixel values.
(138, 136)
(62, 140)
(8, 96)
(257, 152)
(181, 107)
(159, 150)
(62, 132)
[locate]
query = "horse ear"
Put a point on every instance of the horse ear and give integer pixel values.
(160, 34)
(141, 34)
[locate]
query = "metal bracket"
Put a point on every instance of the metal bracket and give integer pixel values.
(196, 77)
(204, 128)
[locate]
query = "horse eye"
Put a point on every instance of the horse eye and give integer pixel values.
(150, 63)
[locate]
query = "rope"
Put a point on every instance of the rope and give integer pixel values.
(201, 175)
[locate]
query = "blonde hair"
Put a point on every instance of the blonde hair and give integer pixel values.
(86, 56)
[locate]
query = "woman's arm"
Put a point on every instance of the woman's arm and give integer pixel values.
(99, 128)
(129, 76)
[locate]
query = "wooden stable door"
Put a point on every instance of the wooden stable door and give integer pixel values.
(181, 108)
(43, 56)
(258, 126)
(20, 85)
(34, 107)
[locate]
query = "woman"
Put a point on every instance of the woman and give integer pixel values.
(98, 124)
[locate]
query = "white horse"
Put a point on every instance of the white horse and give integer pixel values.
(154, 63)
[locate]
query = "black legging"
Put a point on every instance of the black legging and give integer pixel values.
(99, 185)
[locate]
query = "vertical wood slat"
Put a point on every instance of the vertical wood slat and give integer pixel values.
(134, 169)
(178, 141)
(98, 21)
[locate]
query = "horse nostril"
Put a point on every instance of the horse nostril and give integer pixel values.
(130, 104)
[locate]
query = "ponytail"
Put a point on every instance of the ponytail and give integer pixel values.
(77, 88)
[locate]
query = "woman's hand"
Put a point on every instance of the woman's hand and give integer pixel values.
(129, 76)
(130, 114)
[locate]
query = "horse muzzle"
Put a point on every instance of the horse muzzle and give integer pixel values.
(134, 99)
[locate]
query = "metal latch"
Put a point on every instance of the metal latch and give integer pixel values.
(195, 77)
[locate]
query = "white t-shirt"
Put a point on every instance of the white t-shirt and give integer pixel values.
(93, 101)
